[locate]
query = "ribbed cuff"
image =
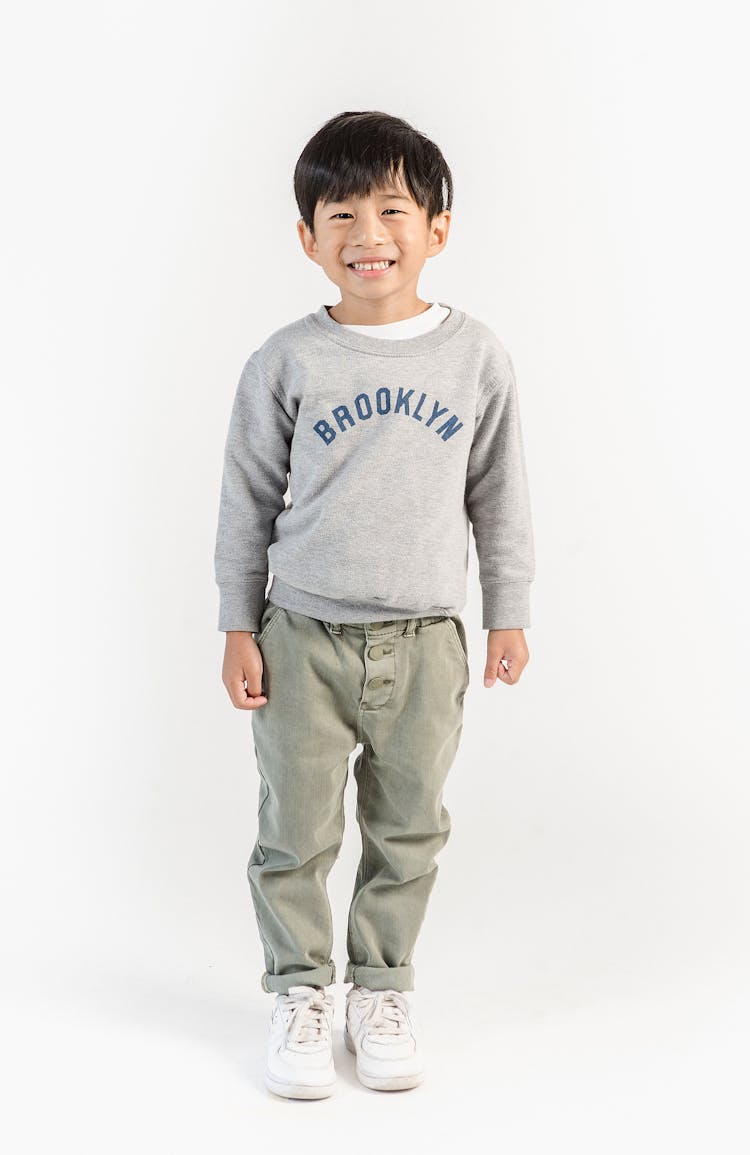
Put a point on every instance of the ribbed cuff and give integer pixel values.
(241, 605)
(505, 605)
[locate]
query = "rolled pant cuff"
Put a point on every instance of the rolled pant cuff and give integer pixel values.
(315, 976)
(381, 978)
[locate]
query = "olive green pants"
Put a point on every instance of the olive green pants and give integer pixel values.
(396, 687)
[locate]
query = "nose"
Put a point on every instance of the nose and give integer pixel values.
(367, 228)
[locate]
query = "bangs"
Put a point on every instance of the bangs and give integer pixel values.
(358, 154)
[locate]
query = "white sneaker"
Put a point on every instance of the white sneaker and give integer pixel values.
(299, 1061)
(380, 1031)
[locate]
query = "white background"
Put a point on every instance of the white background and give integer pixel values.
(582, 971)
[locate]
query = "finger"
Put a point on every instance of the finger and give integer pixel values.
(252, 703)
(254, 681)
(243, 700)
(245, 689)
(498, 672)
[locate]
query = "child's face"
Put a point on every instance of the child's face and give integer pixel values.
(386, 225)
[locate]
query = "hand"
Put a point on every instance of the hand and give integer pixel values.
(509, 646)
(243, 663)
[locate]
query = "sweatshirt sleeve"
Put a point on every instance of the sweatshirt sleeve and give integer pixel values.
(254, 482)
(497, 500)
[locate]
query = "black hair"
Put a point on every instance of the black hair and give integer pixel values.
(356, 153)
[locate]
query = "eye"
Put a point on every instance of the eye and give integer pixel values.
(345, 214)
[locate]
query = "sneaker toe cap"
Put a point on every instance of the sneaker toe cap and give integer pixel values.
(392, 1058)
(308, 1067)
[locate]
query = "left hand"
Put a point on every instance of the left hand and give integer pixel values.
(505, 646)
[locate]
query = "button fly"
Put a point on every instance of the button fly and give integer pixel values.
(380, 662)
(379, 651)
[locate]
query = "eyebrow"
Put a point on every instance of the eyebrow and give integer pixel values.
(385, 196)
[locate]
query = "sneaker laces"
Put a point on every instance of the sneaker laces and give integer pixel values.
(385, 1013)
(306, 1012)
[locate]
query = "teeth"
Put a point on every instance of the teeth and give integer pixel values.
(371, 265)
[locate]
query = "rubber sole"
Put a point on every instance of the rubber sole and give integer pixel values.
(298, 1090)
(383, 1082)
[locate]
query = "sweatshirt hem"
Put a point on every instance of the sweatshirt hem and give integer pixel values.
(349, 611)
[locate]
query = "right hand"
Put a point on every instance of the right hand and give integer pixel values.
(243, 670)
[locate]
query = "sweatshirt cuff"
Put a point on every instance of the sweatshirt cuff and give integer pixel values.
(241, 605)
(505, 605)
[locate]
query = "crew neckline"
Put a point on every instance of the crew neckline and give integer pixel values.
(388, 347)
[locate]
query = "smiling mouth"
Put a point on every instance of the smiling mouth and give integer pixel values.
(369, 264)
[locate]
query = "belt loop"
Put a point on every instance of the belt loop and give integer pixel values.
(411, 625)
(333, 627)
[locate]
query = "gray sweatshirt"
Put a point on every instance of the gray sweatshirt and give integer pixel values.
(387, 449)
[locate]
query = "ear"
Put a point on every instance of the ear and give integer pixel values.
(307, 240)
(439, 229)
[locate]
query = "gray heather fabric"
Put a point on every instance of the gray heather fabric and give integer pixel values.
(398, 688)
(390, 449)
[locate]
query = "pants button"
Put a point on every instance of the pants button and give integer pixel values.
(379, 651)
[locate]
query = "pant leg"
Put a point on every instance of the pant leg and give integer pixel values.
(303, 738)
(410, 738)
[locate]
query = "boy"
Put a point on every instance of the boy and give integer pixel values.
(395, 423)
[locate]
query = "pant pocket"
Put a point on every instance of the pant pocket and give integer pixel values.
(457, 633)
(268, 617)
